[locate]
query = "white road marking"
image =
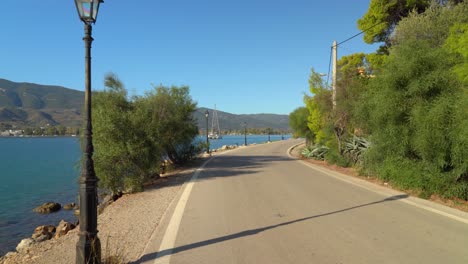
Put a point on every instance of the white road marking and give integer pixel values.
(168, 242)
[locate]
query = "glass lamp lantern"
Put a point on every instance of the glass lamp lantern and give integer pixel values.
(88, 10)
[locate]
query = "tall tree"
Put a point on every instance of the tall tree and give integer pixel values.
(432, 26)
(125, 153)
(111, 133)
(298, 120)
(172, 118)
(416, 107)
(320, 107)
(383, 15)
(353, 75)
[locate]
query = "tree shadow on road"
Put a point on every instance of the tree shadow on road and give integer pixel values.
(217, 167)
(228, 166)
(251, 232)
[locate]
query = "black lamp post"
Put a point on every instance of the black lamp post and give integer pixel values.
(88, 248)
(207, 141)
(245, 133)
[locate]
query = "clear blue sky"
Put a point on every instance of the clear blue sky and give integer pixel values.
(246, 56)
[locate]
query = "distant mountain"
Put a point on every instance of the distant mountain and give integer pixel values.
(229, 121)
(35, 96)
(30, 105)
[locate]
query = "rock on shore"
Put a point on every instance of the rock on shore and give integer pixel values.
(24, 245)
(125, 227)
(69, 206)
(43, 232)
(47, 208)
(63, 228)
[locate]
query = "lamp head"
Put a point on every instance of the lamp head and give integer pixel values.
(88, 10)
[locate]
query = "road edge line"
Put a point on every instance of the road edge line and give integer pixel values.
(170, 234)
(427, 205)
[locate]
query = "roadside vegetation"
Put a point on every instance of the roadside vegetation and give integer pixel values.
(134, 136)
(401, 113)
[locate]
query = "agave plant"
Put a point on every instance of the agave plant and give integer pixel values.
(355, 147)
(305, 152)
(315, 152)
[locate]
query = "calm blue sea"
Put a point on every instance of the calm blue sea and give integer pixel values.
(239, 140)
(37, 170)
(34, 171)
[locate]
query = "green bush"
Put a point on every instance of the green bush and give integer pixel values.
(416, 111)
(131, 136)
(333, 157)
(459, 190)
(402, 173)
(298, 124)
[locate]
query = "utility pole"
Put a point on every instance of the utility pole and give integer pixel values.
(334, 50)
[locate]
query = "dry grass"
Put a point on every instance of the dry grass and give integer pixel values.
(113, 254)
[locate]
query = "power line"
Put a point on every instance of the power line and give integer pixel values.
(359, 33)
(331, 49)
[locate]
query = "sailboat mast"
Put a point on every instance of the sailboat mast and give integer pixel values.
(217, 123)
(215, 131)
(213, 118)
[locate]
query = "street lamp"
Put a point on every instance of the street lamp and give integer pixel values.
(207, 141)
(245, 133)
(88, 248)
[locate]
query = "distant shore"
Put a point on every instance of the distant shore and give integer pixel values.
(35, 136)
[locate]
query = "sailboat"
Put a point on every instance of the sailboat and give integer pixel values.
(215, 132)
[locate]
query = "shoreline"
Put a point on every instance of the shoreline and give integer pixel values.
(120, 233)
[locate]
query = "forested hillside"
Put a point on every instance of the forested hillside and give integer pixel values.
(29, 104)
(231, 122)
(34, 105)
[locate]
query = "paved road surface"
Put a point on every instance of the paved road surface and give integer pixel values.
(257, 205)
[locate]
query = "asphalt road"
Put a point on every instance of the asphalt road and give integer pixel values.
(258, 205)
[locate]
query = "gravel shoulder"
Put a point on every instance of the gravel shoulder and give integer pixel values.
(124, 227)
